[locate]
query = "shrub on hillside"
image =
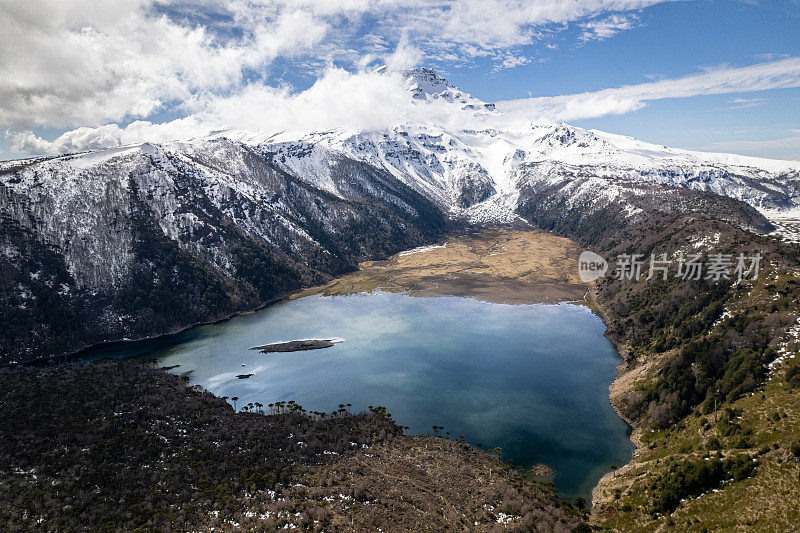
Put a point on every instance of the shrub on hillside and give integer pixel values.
(692, 477)
(793, 375)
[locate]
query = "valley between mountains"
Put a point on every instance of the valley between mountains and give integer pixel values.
(142, 240)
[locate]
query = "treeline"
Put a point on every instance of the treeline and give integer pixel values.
(793, 375)
(124, 446)
(716, 357)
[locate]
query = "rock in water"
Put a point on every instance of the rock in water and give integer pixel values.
(297, 346)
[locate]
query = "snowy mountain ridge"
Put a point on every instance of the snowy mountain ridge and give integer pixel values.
(460, 168)
(427, 84)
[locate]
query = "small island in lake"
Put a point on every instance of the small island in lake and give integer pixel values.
(296, 346)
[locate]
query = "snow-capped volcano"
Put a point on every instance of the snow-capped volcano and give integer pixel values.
(476, 159)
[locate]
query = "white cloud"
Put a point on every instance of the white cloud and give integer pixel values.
(90, 65)
(68, 63)
(780, 148)
(764, 76)
(362, 100)
(506, 23)
(405, 56)
(71, 62)
(108, 136)
(771, 57)
(511, 60)
(746, 103)
(601, 29)
(338, 99)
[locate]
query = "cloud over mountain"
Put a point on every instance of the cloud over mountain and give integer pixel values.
(71, 63)
(78, 75)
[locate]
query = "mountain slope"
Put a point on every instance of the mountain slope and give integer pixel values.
(142, 241)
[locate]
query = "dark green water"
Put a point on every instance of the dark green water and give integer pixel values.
(532, 379)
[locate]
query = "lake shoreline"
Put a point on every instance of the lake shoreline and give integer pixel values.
(493, 289)
(477, 275)
(495, 373)
(367, 451)
(76, 354)
(426, 277)
(602, 493)
(300, 345)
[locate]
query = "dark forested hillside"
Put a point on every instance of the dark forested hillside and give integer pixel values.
(709, 352)
(707, 378)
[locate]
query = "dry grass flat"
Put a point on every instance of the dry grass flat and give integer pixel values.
(497, 265)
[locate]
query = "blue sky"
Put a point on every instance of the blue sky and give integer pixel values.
(672, 40)
(82, 77)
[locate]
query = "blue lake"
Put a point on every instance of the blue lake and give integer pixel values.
(532, 379)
